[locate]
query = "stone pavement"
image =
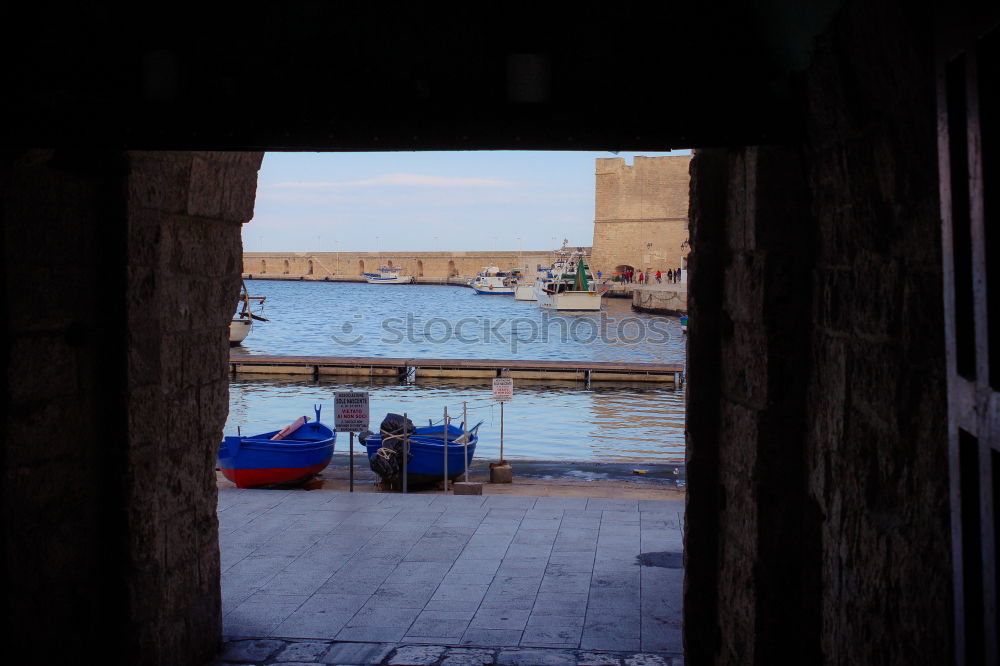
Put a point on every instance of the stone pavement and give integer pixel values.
(519, 579)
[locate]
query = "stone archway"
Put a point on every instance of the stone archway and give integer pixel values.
(420, 268)
(361, 266)
(263, 265)
(286, 267)
(621, 270)
(451, 269)
(310, 267)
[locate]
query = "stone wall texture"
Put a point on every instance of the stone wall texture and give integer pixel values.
(121, 272)
(818, 492)
(641, 213)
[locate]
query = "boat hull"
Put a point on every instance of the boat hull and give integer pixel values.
(252, 462)
(399, 279)
(525, 292)
(239, 329)
(569, 300)
(493, 291)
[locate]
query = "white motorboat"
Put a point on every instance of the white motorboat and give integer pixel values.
(570, 287)
(242, 323)
(492, 281)
(388, 275)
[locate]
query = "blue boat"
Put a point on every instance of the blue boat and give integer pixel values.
(427, 449)
(259, 460)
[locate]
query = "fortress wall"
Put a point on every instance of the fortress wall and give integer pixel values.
(418, 264)
(641, 213)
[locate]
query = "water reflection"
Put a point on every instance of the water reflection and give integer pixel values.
(616, 421)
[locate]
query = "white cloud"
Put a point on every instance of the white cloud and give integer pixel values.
(396, 180)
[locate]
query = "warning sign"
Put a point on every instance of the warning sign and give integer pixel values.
(350, 409)
(503, 389)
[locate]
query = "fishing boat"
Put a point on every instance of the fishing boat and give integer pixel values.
(242, 323)
(427, 451)
(570, 287)
(289, 456)
(492, 281)
(388, 275)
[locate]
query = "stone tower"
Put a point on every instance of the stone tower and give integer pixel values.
(641, 214)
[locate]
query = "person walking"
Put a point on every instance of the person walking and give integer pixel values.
(677, 275)
(641, 276)
(670, 275)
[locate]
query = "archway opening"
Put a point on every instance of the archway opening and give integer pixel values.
(361, 266)
(310, 267)
(420, 268)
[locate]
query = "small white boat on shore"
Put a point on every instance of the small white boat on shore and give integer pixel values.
(388, 275)
(242, 323)
(571, 287)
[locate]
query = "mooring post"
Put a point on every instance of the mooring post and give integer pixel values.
(445, 450)
(406, 451)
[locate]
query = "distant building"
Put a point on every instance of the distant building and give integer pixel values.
(641, 214)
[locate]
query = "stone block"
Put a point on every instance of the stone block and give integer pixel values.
(417, 655)
(357, 653)
(467, 488)
(501, 473)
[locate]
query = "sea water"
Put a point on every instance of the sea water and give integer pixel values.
(552, 420)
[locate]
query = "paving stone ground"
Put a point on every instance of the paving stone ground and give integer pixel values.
(439, 579)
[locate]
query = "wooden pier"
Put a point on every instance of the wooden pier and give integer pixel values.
(349, 366)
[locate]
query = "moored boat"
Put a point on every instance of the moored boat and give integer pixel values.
(426, 464)
(242, 322)
(300, 451)
(684, 323)
(570, 287)
(388, 275)
(492, 281)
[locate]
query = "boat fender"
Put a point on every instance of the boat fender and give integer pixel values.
(291, 427)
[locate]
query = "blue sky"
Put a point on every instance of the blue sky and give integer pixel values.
(424, 201)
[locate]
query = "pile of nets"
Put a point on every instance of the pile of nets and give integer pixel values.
(387, 462)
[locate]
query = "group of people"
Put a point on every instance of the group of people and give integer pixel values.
(631, 276)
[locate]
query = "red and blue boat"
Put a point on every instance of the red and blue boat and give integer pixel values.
(289, 456)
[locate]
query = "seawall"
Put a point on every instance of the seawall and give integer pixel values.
(670, 299)
(433, 267)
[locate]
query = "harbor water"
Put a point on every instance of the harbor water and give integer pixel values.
(552, 420)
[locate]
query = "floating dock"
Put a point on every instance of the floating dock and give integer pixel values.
(451, 368)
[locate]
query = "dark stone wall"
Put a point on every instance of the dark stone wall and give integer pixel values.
(121, 274)
(877, 441)
(817, 459)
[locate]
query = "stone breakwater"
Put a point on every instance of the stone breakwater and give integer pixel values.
(665, 298)
(433, 266)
